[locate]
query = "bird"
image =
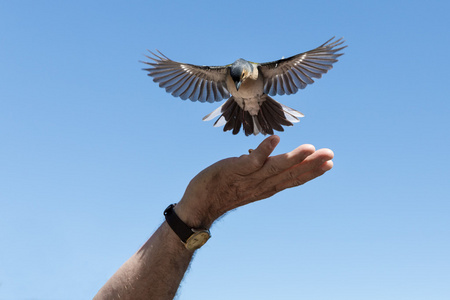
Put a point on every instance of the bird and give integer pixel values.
(247, 86)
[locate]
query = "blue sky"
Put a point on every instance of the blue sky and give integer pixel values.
(92, 151)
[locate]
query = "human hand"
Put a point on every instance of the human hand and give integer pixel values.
(238, 181)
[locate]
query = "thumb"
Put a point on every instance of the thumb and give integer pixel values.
(256, 159)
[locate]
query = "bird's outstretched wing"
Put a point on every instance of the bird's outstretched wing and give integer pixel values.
(286, 76)
(197, 83)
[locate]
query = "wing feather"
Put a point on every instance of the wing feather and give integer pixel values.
(286, 76)
(189, 91)
(187, 81)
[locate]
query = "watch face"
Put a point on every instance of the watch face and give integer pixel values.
(197, 240)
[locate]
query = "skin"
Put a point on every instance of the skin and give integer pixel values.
(156, 270)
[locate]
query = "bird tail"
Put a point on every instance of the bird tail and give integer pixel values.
(271, 116)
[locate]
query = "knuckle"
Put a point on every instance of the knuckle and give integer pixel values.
(276, 189)
(273, 170)
(255, 162)
(297, 182)
(292, 176)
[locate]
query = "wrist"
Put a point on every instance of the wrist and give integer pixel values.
(200, 205)
(194, 213)
(192, 238)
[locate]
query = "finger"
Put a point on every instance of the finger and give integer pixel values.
(256, 159)
(279, 163)
(305, 177)
(292, 176)
(312, 167)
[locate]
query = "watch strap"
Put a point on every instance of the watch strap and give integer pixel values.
(178, 226)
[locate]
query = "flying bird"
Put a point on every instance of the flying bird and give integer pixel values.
(247, 86)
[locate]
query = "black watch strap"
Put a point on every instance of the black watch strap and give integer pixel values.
(179, 227)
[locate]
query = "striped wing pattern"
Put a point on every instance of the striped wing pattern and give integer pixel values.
(187, 81)
(287, 76)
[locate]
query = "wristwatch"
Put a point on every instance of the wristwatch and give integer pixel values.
(192, 238)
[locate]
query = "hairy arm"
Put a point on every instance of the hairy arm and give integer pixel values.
(156, 270)
(153, 272)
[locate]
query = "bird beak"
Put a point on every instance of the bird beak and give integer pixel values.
(238, 85)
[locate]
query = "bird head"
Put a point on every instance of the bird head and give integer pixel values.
(240, 70)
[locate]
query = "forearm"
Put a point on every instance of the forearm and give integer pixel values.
(156, 269)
